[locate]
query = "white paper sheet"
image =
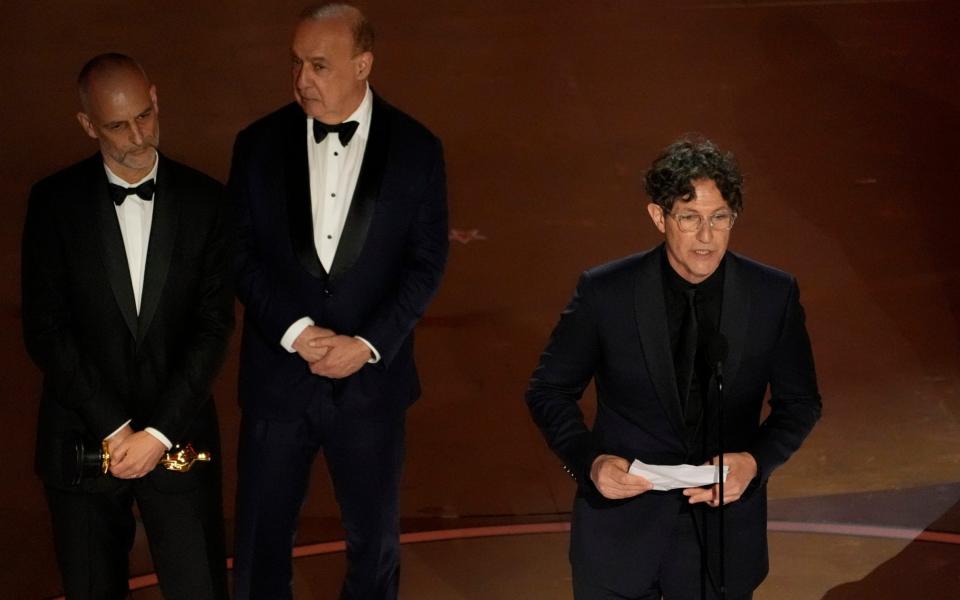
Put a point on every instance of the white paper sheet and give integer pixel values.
(671, 477)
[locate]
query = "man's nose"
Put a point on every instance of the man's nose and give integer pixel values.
(301, 76)
(705, 233)
(136, 135)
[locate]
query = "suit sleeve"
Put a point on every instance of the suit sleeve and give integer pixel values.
(71, 378)
(424, 260)
(188, 385)
(566, 367)
(794, 399)
(272, 308)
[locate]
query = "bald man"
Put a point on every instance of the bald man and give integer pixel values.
(341, 202)
(127, 312)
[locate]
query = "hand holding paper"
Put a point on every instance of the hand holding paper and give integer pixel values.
(610, 475)
(742, 469)
(672, 477)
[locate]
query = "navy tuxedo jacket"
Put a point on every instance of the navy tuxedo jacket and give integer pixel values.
(614, 331)
(102, 363)
(387, 266)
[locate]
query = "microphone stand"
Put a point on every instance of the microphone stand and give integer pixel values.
(719, 368)
(716, 354)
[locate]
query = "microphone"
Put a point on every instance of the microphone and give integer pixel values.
(717, 353)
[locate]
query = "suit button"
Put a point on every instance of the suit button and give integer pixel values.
(327, 292)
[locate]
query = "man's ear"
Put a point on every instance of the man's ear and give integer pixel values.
(153, 99)
(364, 62)
(87, 125)
(657, 216)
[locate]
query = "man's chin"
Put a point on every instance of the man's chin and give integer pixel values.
(139, 159)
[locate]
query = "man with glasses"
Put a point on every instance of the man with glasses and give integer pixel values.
(653, 331)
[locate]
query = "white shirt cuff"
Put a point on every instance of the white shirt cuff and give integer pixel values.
(117, 430)
(373, 351)
(293, 332)
(163, 439)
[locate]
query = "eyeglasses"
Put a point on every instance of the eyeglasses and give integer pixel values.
(690, 222)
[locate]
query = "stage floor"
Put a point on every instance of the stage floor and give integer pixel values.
(844, 116)
(533, 567)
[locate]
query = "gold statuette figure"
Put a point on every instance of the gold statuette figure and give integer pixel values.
(182, 458)
(104, 457)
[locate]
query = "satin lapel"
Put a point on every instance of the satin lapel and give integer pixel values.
(651, 315)
(733, 316)
(163, 234)
(112, 251)
(297, 182)
(366, 193)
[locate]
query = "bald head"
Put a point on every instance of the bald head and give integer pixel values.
(106, 69)
(120, 111)
(360, 28)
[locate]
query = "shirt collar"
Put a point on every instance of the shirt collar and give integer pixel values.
(362, 115)
(116, 180)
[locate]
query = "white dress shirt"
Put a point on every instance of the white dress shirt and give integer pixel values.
(334, 170)
(135, 217)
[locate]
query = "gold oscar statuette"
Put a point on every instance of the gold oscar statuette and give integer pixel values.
(104, 457)
(182, 458)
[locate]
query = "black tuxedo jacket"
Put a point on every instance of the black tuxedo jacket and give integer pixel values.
(614, 331)
(386, 269)
(102, 363)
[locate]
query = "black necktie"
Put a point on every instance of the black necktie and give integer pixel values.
(686, 359)
(344, 131)
(119, 193)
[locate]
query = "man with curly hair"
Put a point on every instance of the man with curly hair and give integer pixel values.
(655, 331)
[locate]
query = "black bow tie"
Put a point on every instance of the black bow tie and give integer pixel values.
(119, 193)
(344, 131)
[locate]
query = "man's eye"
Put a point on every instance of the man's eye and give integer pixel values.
(318, 67)
(689, 218)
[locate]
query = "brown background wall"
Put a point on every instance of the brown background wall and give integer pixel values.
(844, 116)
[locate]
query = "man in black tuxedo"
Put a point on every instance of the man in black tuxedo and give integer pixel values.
(127, 310)
(645, 329)
(341, 204)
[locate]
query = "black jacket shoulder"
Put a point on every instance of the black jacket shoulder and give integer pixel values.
(622, 267)
(404, 125)
(70, 177)
(619, 277)
(759, 274)
(275, 124)
(188, 180)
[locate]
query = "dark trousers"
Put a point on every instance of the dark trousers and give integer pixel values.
(364, 458)
(94, 531)
(679, 576)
